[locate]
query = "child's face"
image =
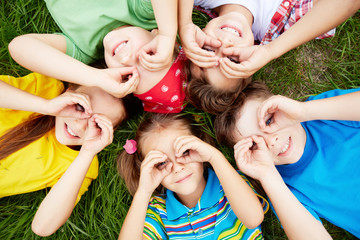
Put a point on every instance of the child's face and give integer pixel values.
(287, 144)
(185, 180)
(71, 131)
(121, 48)
(233, 30)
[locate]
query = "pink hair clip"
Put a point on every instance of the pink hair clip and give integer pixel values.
(130, 146)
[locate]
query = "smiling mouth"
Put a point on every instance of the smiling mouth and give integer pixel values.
(231, 30)
(285, 147)
(119, 47)
(70, 131)
(184, 179)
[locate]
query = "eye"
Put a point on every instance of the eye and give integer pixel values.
(186, 153)
(161, 165)
(234, 59)
(127, 77)
(269, 121)
(208, 49)
(79, 108)
(253, 147)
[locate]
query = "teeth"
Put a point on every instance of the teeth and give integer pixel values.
(119, 47)
(285, 148)
(231, 30)
(71, 132)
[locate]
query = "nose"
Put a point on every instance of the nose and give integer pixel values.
(81, 125)
(226, 42)
(128, 59)
(271, 139)
(177, 167)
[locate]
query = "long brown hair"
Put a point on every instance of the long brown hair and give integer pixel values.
(25, 133)
(128, 165)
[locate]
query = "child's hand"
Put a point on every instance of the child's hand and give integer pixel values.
(279, 112)
(69, 104)
(151, 174)
(192, 149)
(98, 135)
(253, 157)
(193, 40)
(158, 54)
(250, 59)
(119, 82)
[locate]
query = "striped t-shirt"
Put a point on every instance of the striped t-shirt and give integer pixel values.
(212, 218)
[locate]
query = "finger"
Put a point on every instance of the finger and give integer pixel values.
(131, 85)
(260, 142)
(228, 69)
(232, 51)
(152, 62)
(183, 144)
(202, 61)
(240, 150)
(213, 42)
(126, 70)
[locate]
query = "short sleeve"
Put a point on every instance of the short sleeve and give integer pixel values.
(37, 84)
(154, 227)
(334, 93)
(74, 51)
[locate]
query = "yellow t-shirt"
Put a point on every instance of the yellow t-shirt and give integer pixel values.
(41, 163)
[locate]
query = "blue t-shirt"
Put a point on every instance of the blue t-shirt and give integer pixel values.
(212, 218)
(326, 179)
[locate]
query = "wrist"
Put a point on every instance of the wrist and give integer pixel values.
(143, 193)
(86, 152)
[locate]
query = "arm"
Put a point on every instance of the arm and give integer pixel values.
(285, 111)
(63, 105)
(45, 54)
(159, 52)
(258, 163)
(193, 38)
(150, 178)
(58, 204)
(324, 16)
(241, 197)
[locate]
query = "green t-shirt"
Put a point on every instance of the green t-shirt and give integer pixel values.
(84, 23)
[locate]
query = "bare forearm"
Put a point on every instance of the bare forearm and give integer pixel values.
(45, 54)
(57, 206)
(166, 16)
(324, 16)
(185, 12)
(133, 225)
(241, 197)
(17, 99)
(297, 222)
(342, 107)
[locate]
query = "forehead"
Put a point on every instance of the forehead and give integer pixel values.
(162, 139)
(104, 103)
(246, 119)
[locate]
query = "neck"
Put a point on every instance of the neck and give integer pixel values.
(227, 8)
(190, 200)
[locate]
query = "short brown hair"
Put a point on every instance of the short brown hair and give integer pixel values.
(225, 122)
(202, 95)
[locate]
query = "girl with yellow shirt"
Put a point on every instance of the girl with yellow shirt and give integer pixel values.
(50, 139)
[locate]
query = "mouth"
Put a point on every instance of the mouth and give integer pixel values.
(119, 47)
(69, 132)
(285, 150)
(184, 178)
(232, 30)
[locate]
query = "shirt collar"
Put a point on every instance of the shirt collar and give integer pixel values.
(209, 197)
(310, 149)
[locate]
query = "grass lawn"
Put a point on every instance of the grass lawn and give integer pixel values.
(315, 67)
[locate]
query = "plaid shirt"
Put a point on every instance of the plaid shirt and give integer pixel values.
(288, 13)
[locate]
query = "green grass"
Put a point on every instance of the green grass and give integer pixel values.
(315, 67)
